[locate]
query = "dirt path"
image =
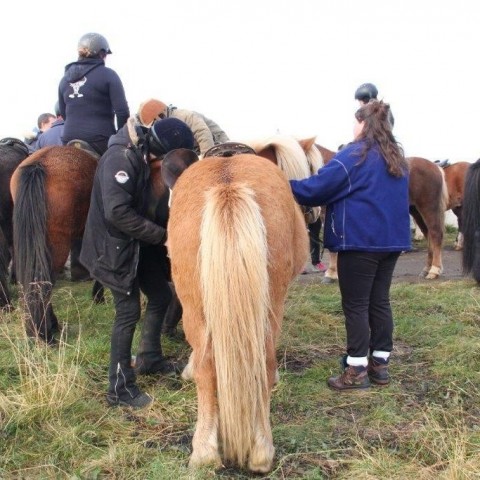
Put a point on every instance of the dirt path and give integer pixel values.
(410, 265)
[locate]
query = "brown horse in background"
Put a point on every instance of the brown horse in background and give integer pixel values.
(249, 237)
(455, 178)
(51, 193)
(428, 196)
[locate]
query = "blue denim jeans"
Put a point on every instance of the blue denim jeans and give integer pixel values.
(364, 279)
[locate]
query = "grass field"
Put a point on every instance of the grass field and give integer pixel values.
(55, 423)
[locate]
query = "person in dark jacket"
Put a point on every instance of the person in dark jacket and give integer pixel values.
(124, 249)
(91, 95)
(367, 221)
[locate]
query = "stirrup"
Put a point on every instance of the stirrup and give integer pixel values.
(83, 145)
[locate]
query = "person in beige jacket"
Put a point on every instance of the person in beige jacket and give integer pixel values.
(206, 132)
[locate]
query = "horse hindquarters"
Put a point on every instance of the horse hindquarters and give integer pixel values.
(471, 222)
(32, 258)
(246, 244)
(235, 286)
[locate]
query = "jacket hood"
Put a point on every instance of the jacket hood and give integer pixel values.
(130, 134)
(77, 70)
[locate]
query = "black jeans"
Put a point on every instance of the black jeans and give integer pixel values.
(315, 242)
(152, 280)
(364, 279)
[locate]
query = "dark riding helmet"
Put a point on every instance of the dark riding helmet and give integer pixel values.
(91, 44)
(366, 92)
(168, 134)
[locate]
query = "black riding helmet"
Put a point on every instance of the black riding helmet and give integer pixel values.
(168, 134)
(91, 44)
(366, 92)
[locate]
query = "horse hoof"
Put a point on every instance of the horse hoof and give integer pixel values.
(261, 458)
(211, 457)
(328, 280)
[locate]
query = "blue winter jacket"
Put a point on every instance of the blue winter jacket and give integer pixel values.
(53, 136)
(367, 209)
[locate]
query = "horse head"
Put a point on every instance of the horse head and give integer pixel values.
(175, 163)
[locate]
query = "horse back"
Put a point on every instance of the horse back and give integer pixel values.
(283, 219)
(426, 184)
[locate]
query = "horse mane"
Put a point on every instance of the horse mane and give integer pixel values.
(291, 158)
(313, 153)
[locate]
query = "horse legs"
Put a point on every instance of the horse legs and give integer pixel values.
(434, 235)
(205, 439)
(458, 245)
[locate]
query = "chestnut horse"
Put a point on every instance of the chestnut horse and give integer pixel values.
(12, 152)
(471, 222)
(249, 240)
(455, 177)
(428, 196)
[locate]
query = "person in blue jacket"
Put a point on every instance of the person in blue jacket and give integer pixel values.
(53, 136)
(91, 96)
(365, 190)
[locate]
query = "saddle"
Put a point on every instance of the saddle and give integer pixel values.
(15, 143)
(443, 163)
(83, 145)
(228, 149)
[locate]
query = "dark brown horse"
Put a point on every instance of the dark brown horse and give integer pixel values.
(12, 152)
(428, 196)
(51, 193)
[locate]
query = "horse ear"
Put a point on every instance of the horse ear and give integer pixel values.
(307, 143)
(175, 163)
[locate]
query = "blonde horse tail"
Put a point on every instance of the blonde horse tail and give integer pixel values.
(445, 196)
(235, 289)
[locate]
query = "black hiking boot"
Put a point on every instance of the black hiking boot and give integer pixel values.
(142, 400)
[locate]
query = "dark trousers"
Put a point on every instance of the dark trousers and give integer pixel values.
(153, 282)
(315, 242)
(364, 279)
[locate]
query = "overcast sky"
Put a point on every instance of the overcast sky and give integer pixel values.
(261, 66)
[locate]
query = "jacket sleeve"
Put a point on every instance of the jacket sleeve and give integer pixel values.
(219, 136)
(118, 99)
(202, 134)
(331, 183)
(119, 190)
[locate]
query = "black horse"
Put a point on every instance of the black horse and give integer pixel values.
(12, 152)
(471, 222)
